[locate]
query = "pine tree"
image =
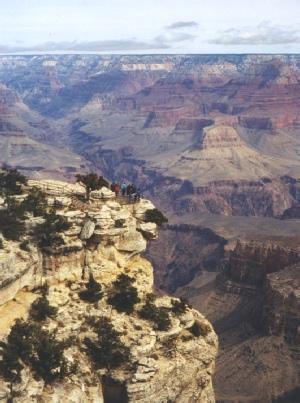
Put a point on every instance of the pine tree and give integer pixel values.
(125, 295)
(93, 292)
(11, 181)
(31, 345)
(108, 351)
(41, 309)
(35, 202)
(91, 181)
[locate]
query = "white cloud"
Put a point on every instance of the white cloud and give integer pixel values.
(174, 37)
(150, 26)
(263, 34)
(88, 46)
(163, 41)
(183, 24)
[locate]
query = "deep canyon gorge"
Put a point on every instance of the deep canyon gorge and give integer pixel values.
(214, 142)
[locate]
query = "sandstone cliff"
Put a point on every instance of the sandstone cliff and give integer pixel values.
(254, 307)
(105, 237)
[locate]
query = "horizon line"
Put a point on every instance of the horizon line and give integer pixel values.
(147, 54)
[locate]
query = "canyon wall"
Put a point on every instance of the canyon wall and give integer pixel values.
(164, 365)
(254, 306)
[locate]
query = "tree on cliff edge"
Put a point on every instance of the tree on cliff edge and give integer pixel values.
(11, 181)
(91, 181)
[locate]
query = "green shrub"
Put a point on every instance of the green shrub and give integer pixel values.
(41, 309)
(119, 223)
(108, 351)
(162, 319)
(24, 245)
(14, 207)
(150, 297)
(10, 366)
(11, 181)
(93, 292)
(12, 216)
(35, 202)
(47, 233)
(50, 363)
(44, 289)
(12, 220)
(92, 181)
(36, 348)
(1, 243)
(12, 229)
(148, 311)
(158, 315)
(179, 306)
(199, 329)
(125, 295)
(155, 216)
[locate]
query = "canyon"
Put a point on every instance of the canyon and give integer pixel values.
(214, 142)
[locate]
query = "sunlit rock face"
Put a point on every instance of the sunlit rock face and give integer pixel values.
(105, 238)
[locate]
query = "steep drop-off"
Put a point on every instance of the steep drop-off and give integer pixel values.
(173, 364)
(254, 306)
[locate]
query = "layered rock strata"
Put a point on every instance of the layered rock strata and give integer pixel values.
(106, 238)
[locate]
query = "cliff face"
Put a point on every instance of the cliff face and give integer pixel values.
(282, 305)
(182, 252)
(251, 263)
(105, 238)
(254, 307)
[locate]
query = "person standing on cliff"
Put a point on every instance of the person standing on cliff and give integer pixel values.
(128, 190)
(117, 189)
(137, 195)
(124, 188)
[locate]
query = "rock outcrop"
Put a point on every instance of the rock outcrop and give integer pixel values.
(105, 238)
(18, 269)
(250, 263)
(254, 305)
(281, 314)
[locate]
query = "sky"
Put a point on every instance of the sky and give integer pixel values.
(149, 26)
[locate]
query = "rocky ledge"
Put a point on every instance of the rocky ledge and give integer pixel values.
(104, 240)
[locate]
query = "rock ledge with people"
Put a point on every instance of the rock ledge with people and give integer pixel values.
(79, 320)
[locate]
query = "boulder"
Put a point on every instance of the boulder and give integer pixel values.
(131, 242)
(87, 230)
(149, 229)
